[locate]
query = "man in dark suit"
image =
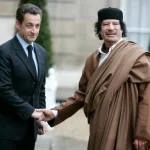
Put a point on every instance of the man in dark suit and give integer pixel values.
(22, 82)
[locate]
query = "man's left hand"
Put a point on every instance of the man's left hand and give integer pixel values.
(43, 128)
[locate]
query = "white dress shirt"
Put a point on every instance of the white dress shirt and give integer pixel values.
(105, 55)
(25, 45)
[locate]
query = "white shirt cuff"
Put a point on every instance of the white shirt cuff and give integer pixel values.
(55, 112)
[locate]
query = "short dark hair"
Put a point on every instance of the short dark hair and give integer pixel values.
(97, 29)
(27, 8)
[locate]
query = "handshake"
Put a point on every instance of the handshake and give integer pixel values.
(42, 115)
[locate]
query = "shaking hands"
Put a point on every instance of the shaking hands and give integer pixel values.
(42, 115)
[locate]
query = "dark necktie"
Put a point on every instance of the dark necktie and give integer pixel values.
(30, 58)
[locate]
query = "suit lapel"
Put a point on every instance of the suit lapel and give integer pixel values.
(22, 55)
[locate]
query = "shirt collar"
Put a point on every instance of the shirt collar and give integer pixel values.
(23, 42)
(100, 49)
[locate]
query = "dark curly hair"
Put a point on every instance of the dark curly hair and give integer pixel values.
(97, 29)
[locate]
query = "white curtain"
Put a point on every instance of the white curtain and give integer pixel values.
(137, 18)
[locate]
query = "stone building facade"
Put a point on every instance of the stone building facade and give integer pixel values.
(73, 37)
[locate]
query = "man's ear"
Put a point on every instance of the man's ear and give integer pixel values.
(17, 25)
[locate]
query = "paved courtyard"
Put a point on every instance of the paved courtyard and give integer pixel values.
(72, 134)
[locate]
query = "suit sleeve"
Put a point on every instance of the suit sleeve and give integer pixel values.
(42, 90)
(8, 95)
(42, 95)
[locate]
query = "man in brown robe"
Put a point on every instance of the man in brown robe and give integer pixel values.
(114, 90)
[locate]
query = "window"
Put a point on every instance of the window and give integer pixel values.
(137, 19)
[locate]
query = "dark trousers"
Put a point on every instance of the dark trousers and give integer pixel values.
(21, 145)
(27, 143)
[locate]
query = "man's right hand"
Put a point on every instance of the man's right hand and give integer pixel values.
(39, 116)
(48, 114)
(140, 143)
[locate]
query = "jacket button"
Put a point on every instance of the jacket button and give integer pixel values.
(33, 83)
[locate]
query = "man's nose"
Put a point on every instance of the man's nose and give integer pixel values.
(110, 27)
(33, 30)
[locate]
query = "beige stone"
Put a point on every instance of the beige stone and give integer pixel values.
(73, 37)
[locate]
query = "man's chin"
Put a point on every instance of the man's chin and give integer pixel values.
(111, 39)
(31, 40)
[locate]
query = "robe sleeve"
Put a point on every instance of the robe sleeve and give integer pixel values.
(143, 115)
(73, 104)
(140, 75)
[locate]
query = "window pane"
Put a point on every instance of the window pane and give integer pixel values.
(133, 13)
(137, 14)
(141, 38)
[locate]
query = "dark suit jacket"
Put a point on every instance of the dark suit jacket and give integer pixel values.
(20, 91)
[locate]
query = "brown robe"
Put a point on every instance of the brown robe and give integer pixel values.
(116, 98)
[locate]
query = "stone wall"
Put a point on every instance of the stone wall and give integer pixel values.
(73, 37)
